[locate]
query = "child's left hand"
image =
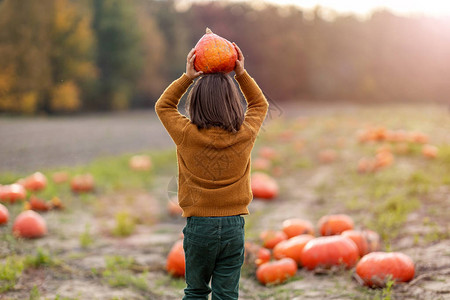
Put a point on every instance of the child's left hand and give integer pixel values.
(190, 70)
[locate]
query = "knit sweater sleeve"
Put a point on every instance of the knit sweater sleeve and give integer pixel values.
(167, 108)
(257, 104)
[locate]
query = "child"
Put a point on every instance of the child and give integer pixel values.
(213, 153)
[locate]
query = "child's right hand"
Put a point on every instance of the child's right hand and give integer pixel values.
(239, 68)
(190, 69)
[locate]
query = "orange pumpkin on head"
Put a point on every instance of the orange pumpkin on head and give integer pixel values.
(214, 54)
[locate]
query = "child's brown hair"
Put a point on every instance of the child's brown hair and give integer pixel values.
(214, 101)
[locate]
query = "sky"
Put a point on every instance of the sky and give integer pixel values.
(436, 8)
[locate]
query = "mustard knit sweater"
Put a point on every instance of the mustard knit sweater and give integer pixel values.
(213, 164)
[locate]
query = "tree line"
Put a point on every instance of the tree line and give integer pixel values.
(64, 56)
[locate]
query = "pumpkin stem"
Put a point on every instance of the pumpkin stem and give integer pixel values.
(208, 30)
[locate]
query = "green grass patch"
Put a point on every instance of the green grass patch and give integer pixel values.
(10, 271)
(124, 225)
(34, 293)
(41, 258)
(118, 273)
(86, 238)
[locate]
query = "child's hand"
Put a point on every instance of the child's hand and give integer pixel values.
(239, 68)
(190, 70)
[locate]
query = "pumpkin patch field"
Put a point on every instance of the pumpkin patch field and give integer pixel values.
(350, 202)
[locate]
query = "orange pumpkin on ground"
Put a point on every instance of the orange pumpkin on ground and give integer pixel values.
(34, 182)
(335, 224)
(263, 256)
(12, 192)
(295, 226)
(56, 203)
(400, 136)
(276, 271)
(176, 265)
(366, 165)
(4, 214)
(264, 186)
(29, 224)
(383, 159)
(375, 268)
(329, 251)
(429, 151)
(255, 254)
(214, 54)
(82, 183)
(418, 137)
(37, 204)
(327, 156)
(272, 237)
(366, 240)
(292, 247)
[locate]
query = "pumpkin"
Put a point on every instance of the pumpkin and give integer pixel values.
(292, 247)
(12, 192)
(366, 165)
(140, 163)
(366, 240)
(34, 182)
(383, 159)
(29, 224)
(264, 186)
(176, 264)
(379, 134)
(429, 151)
(263, 255)
(327, 156)
(37, 204)
(418, 137)
(255, 254)
(276, 271)
(401, 136)
(60, 177)
(376, 268)
(329, 251)
(56, 203)
(82, 183)
(295, 226)
(272, 237)
(214, 54)
(335, 224)
(4, 214)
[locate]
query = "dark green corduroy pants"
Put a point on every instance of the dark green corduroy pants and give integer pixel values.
(214, 251)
